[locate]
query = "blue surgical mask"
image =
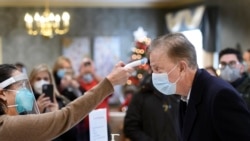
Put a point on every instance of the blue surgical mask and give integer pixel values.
(162, 83)
(60, 73)
(87, 77)
(24, 100)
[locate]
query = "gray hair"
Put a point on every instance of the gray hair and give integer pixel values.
(177, 47)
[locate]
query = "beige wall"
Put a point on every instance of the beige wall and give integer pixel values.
(208, 58)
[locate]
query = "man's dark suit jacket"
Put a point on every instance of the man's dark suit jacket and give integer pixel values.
(215, 112)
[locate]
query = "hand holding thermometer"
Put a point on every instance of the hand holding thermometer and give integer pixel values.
(136, 63)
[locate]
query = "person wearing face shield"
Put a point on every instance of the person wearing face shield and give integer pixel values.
(232, 70)
(210, 109)
(22, 98)
(19, 115)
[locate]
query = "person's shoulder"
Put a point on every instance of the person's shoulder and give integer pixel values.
(144, 93)
(244, 86)
(204, 78)
(3, 117)
(246, 77)
(211, 84)
(140, 96)
(62, 100)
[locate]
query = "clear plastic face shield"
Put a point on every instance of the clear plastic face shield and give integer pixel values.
(20, 89)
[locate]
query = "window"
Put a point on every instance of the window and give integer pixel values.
(195, 37)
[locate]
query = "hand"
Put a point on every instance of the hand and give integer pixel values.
(66, 81)
(119, 75)
(53, 106)
(43, 102)
(74, 83)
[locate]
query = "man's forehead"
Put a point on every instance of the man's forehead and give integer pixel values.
(229, 57)
(159, 58)
(156, 56)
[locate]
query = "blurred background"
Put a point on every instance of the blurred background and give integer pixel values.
(111, 30)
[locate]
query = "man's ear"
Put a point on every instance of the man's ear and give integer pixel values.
(183, 66)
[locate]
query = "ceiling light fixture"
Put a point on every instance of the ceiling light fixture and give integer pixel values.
(48, 24)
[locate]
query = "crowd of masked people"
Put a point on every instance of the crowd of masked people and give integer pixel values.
(150, 115)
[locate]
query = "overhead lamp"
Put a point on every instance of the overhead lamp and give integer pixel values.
(47, 24)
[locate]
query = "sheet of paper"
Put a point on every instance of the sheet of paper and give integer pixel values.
(98, 125)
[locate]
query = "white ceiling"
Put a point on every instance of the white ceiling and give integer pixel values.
(96, 3)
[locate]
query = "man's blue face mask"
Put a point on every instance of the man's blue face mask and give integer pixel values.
(162, 84)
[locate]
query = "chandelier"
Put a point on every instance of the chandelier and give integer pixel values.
(47, 24)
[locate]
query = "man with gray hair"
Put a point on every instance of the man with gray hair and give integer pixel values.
(210, 108)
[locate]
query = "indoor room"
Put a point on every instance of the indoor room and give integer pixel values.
(66, 47)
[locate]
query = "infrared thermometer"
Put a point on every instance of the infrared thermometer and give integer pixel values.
(137, 63)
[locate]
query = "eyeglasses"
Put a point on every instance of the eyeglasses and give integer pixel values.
(231, 64)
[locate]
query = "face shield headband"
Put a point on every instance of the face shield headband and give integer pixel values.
(25, 102)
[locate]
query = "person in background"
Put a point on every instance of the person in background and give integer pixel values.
(21, 67)
(210, 108)
(39, 76)
(211, 70)
(129, 91)
(87, 79)
(246, 58)
(232, 70)
(15, 98)
(65, 80)
(151, 116)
